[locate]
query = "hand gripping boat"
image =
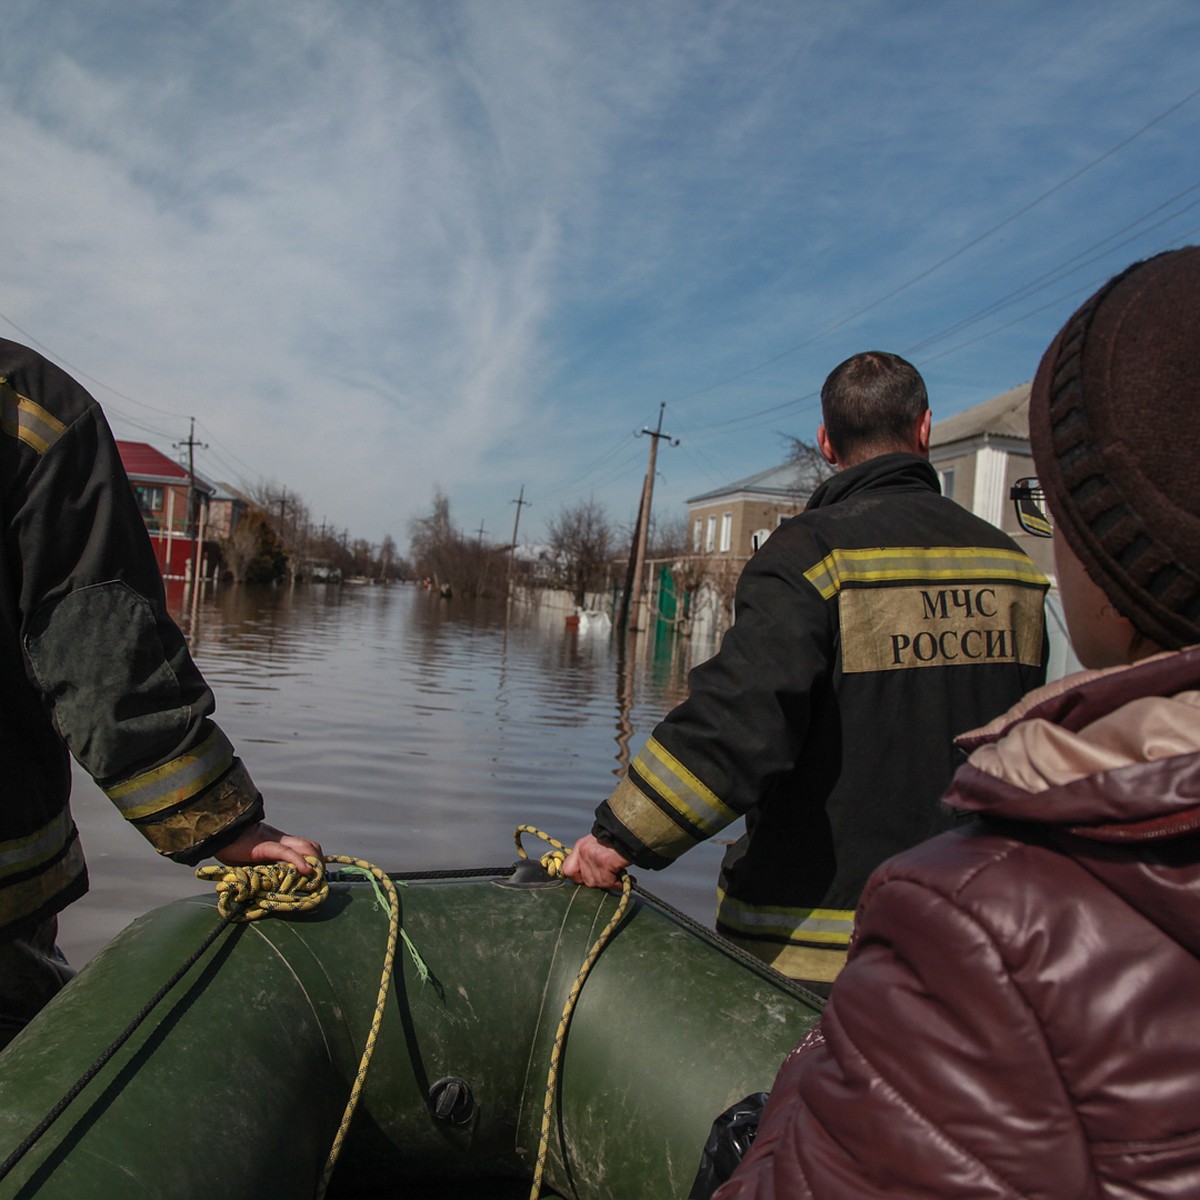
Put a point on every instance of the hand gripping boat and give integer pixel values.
(235, 1084)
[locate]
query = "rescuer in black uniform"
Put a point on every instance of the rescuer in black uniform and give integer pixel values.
(870, 630)
(90, 660)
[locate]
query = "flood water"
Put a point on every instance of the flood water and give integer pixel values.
(412, 731)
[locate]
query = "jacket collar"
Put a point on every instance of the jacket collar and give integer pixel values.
(891, 472)
(1111, 755)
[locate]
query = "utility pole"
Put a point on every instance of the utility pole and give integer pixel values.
(191, 523)
(191, 445)
(520, 502)
(635, 600)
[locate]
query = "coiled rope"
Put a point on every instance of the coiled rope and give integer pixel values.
(251, 893)
(552, 863)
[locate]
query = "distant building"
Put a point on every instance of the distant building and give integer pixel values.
(736, 519)
(980, 453)
(163, 490)
(226, 507)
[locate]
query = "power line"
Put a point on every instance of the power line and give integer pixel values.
(949, 258)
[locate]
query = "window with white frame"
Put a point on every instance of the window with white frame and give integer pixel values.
(710, 537)
(726, 532)
(697, 534)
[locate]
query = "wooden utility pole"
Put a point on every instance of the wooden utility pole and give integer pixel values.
(520, 502)
(635, 600)
(191, 523)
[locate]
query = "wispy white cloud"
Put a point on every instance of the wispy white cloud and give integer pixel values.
(375, 247)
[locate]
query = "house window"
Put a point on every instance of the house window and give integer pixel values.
(726, 532)
(947, 478)
(150, 499)
(697, 534)
(710, 537)
(758, 537)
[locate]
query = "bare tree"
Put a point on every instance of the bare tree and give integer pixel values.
(387, 557)
(668, 537)
(291, 520)
(442, 554)
(811, 468)
(581, 537)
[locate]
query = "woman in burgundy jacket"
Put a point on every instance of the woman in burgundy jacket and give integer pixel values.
(1020, 1012)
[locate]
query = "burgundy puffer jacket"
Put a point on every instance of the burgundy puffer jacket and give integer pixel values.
(1020, 1013)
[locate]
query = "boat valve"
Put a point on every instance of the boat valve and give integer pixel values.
(451, 1100)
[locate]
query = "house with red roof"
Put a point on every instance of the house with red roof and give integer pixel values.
(173, 504)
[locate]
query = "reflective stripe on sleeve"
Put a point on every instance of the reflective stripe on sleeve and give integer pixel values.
(681, 790)
(28, 421)
(26, 853)
(932, 563)
(174, 782)
(26, 896)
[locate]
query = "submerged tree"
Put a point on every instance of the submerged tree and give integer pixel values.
(581, 538)
(253, 553)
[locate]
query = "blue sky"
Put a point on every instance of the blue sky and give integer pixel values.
(376, 247)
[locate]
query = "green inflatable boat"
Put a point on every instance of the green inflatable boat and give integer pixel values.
(235, 1082)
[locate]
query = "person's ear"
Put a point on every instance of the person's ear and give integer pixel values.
(826, 446)
(923, 430)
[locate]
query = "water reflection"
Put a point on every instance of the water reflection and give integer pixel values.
(413, 731)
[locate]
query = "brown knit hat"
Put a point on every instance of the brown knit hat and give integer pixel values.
(1115, 423)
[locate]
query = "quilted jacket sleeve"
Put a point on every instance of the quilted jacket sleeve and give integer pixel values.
(929, 1075)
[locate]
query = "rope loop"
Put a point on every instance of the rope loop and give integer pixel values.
(267, 889)
(253, 892)
(552, 861)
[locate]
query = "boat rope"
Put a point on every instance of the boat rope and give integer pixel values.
(251, 893)
(552, 863)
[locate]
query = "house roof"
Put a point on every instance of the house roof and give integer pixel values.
(144, 464)
(782, 480)
(226, 491)
(1006, 415)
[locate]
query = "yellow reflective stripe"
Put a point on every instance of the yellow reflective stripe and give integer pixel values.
(832, 925)
(797, 962)
(22, 899)
(174, 782)
(25, 853)
(686, 794)
(27, 420)
(648, 823)
(932, 563)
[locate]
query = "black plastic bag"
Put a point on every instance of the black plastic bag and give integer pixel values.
(728, 1141)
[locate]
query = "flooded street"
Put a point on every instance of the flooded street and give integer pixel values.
(411, 731)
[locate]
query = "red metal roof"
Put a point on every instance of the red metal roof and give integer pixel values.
(144, 462)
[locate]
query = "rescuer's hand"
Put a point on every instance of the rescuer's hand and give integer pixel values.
(263, 843)
(594, 864)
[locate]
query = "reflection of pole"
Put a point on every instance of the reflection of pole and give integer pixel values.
(624, 705)
(170, 533)
(197, 576)
(520, 501)
(623, 619)
(637, 616)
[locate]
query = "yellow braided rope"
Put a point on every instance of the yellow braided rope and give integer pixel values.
(251, 893)
(552, 863)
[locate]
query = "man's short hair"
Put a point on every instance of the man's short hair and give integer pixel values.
(872, 401)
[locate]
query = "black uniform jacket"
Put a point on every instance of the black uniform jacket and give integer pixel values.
(869, 631)
(89, 657)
